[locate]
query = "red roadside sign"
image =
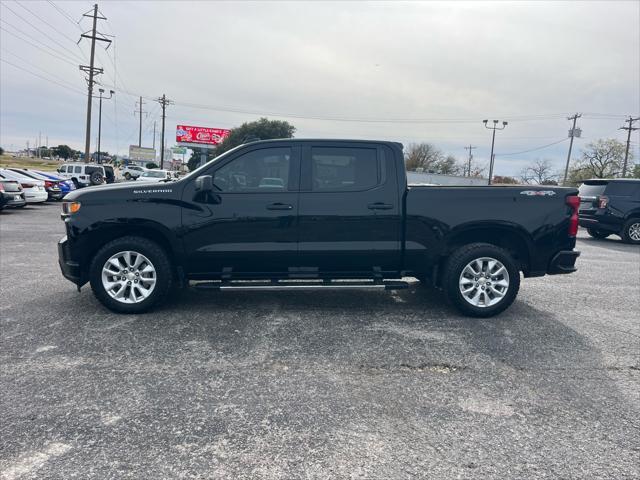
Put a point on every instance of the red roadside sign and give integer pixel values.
(203, 135)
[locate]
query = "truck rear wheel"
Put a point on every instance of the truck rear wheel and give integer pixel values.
(481, 280)
(130, 275)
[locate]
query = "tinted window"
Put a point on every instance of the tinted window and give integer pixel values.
(78, 169)
(264, 170)
(339, 168)
(591, 190)
(625, 189)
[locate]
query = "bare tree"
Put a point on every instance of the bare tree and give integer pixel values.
(448, 166)
(539, 172)
(474, 169)
(422, 155)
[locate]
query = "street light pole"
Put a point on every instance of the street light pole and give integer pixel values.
(111, 92)
(493, 141)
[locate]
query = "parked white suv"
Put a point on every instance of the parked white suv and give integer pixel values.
(83, 174)
(156, 175)
(132, 171)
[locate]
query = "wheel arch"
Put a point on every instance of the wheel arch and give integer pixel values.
(504, 235)
(99, 235)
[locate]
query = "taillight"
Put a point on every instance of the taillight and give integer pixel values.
(574, 202)
(48, 184)
(603, 201)
(1, 187)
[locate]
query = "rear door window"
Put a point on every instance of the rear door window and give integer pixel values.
(343, 169)
(623, 189)
(77, 169)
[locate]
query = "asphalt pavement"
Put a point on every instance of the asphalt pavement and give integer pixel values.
(317, 385)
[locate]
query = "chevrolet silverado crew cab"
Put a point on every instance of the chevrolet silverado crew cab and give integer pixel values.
(314, 214)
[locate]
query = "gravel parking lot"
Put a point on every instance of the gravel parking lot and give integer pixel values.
(317, 385)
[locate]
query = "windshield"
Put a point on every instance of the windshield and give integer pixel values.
(591, 190)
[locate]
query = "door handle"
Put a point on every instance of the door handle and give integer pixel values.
(279, 206)
(379, 206)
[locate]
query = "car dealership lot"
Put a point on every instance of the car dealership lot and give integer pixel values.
(317, 384)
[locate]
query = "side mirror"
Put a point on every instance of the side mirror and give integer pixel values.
(204, 183)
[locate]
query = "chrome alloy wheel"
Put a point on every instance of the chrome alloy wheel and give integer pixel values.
(128, 277)
(484, 282)
(634, 231)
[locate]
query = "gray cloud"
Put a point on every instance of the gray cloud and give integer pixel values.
(455, 60)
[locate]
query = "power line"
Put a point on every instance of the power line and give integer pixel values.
(40, 76)
(48, 24)
(57, 54)
(65, 14)
(34, 66)
(532, 149)
(42, 32)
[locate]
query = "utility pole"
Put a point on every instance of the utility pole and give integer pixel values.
(470, 147)
(629, 129)
(154, 134)
(493, 141)
(572, 133)
(111, 92)
(163, 101)
(39, 144)
(139, 104)
(28, 149)
(92, 71)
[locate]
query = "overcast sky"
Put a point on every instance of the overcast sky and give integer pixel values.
(409, 72)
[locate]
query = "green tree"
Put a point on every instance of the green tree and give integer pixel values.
(151, 165)
(635, 171)
(263, 129)
(196, 158)
(1, 151)
(63, 151)
(600, 159)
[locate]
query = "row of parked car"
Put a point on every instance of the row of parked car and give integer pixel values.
(20, 186)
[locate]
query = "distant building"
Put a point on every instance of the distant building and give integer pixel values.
(424, 178)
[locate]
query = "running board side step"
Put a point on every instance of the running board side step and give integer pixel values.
(289, 285)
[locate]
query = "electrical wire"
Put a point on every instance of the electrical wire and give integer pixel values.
(58, 55)
(65, 14)
(532, 149)
(42, 77)
(35, 66)
(74, 54)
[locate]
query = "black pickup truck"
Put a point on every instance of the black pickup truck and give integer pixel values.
(314, 214)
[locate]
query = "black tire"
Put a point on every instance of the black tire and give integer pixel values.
(460, 259)
(96, 178)
(156, 255)
(597, 233)
(127, 176)
(629, 231)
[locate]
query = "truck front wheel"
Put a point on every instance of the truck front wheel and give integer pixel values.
(130, 275)
(481, 280)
